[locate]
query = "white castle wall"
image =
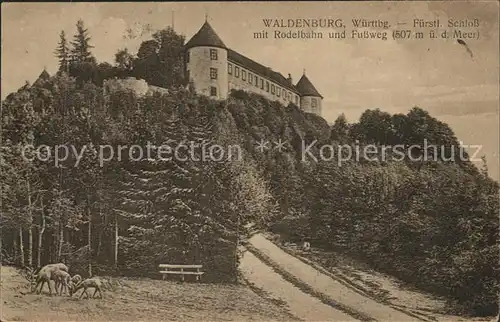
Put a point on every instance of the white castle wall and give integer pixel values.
(138, 86)
(236, 81)
(155, 89)
(199, 66)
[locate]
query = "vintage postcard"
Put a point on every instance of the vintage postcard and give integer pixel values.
(250, 161)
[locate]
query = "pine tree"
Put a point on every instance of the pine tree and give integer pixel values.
(124, 59)
(340, 129)
(153, 199)
(62, 53)
(80, 52)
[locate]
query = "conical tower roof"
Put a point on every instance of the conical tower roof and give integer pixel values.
(44, 76)
(206, 36)
(306, 88)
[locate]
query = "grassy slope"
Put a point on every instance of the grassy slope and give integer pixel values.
(137, 299)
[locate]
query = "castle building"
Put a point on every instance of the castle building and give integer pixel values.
(215, 70)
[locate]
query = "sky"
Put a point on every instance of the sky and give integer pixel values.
(353, 75)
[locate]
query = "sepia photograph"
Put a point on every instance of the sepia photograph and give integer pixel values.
(250, 161)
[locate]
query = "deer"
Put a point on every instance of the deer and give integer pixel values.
(45, 275)
(76, 279)
(94, 282)
(61, 266)
(62, 279)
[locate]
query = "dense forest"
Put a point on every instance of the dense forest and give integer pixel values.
(432, 223)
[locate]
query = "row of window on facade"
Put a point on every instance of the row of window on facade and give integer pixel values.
(252, 79)
(260, 82)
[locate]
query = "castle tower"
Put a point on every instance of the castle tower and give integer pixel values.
(206, 63)
(310, 98)
(42, 78)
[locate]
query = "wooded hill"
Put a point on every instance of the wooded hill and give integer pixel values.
(430, 223)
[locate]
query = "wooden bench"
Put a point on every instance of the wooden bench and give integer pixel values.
(182, 270)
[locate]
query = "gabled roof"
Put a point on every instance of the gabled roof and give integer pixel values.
(306, 88)
(259, 69)
(206, 36)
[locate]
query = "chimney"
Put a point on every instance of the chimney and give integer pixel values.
(290, 79)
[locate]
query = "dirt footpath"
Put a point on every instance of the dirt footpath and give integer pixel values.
(299, 303)
(324, 284)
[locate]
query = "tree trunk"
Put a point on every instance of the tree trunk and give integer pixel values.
(30, 246)
(99, 243)
(67, 236)
(237, 246)
(89, 216)
(40, 238)
(101, 232)
(55, 246)
(16, 249)
(21, 247)
(30, 228)
(116, 241)
(61, 241)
